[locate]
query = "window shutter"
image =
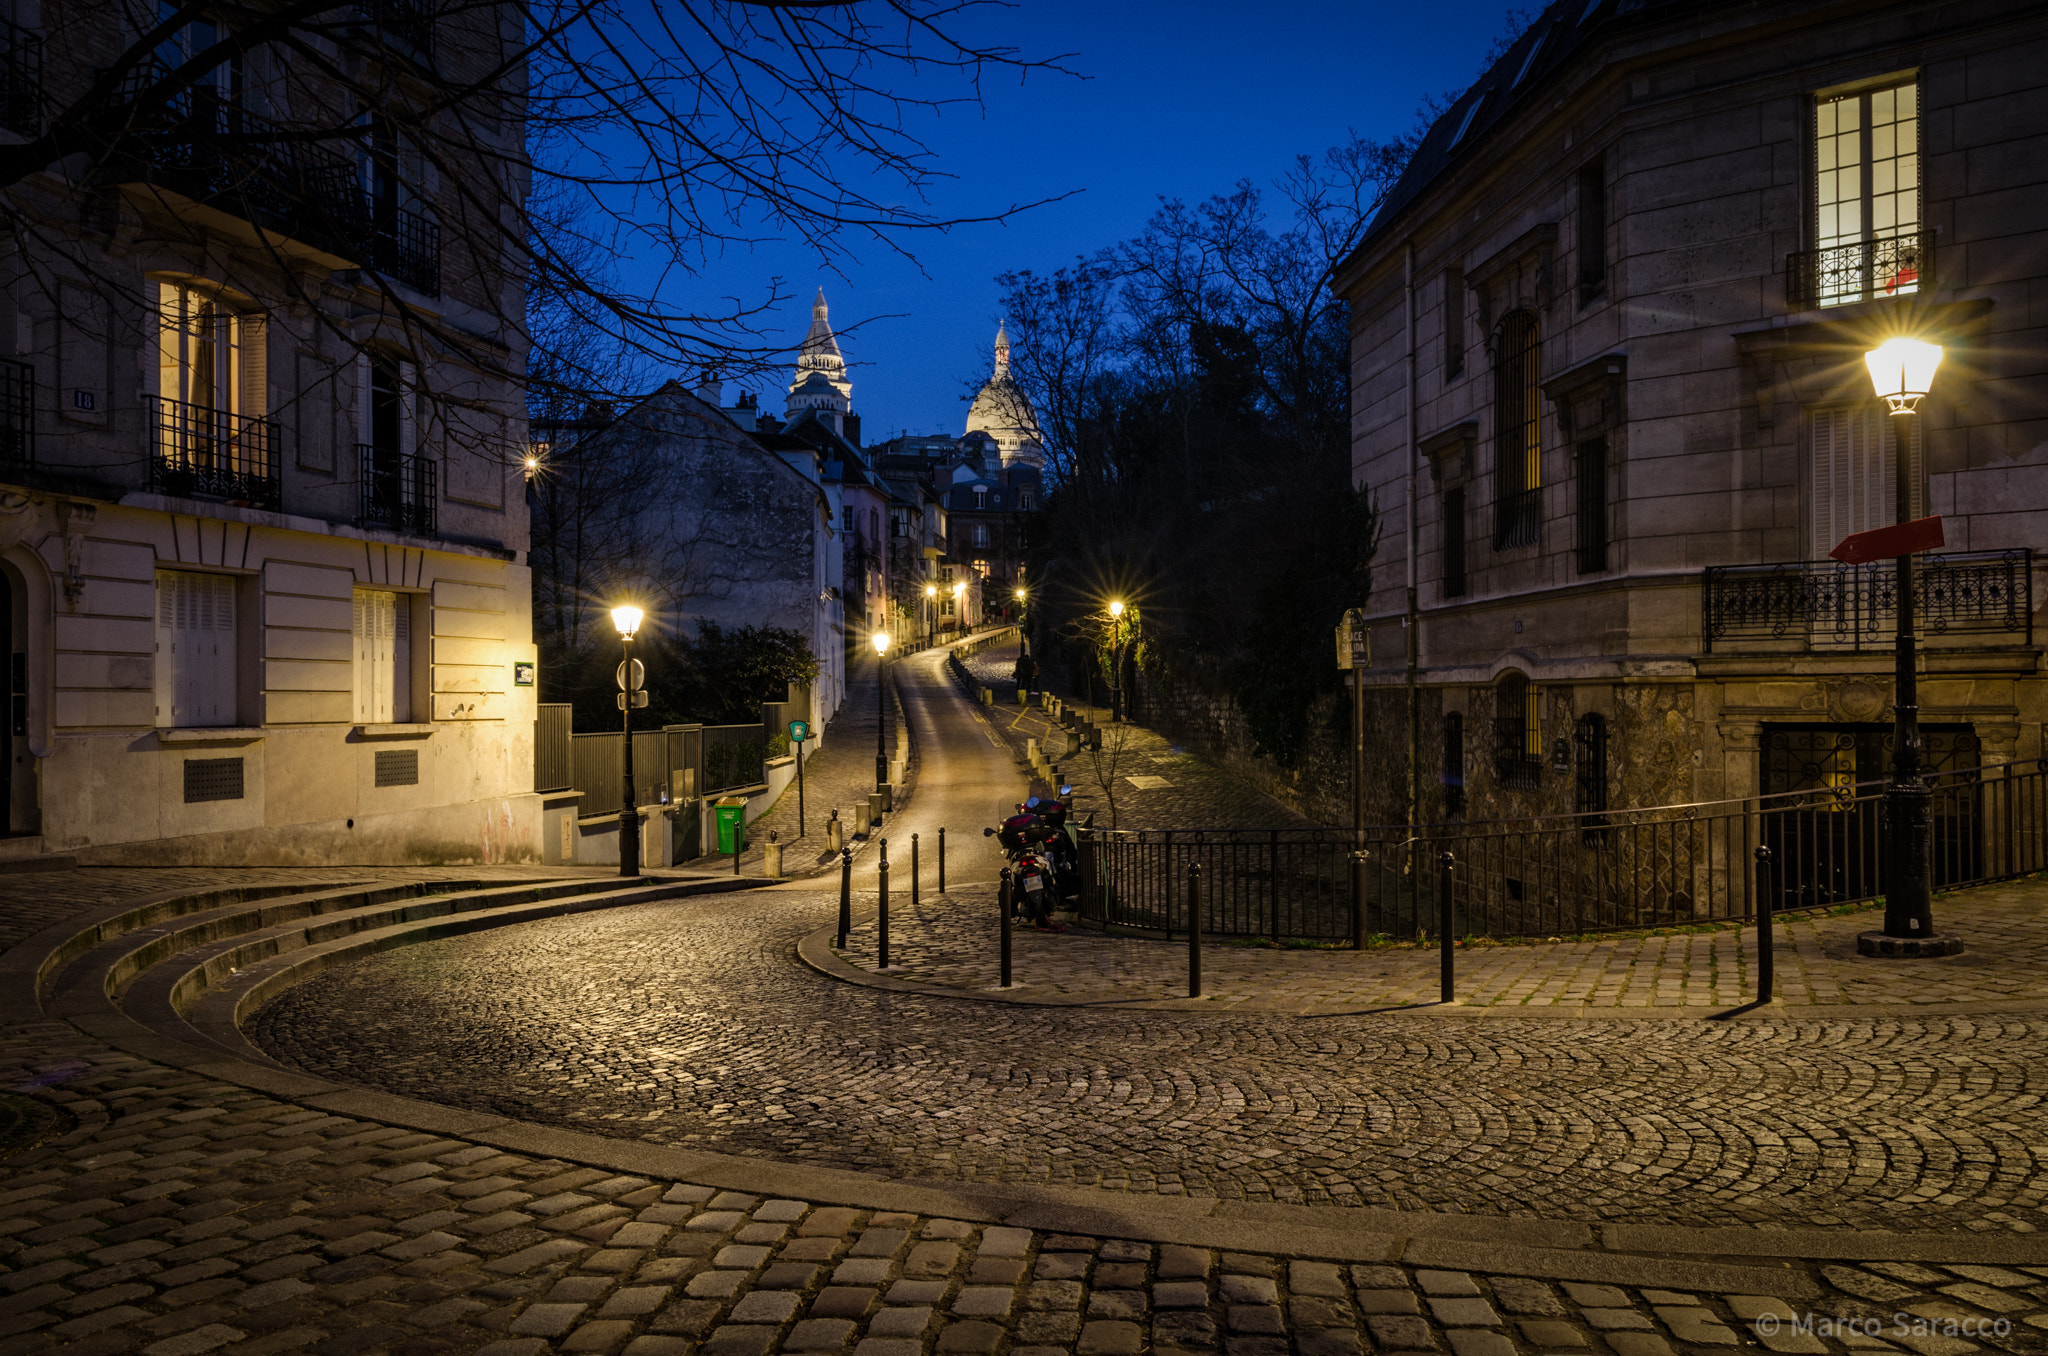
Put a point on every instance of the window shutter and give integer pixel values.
(1853, 473)
(195, 646)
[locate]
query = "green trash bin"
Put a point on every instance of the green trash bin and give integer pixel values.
(732, 823)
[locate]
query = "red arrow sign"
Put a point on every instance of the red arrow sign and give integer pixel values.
(1883, 543)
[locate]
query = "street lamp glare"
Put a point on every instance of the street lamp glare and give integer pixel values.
(959, 588)
(881, 639)
(627, 619)
(1902, 371)
(931, 590)
(1020, 595)
(1116, 608)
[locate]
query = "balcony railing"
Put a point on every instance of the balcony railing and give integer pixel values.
(1824, 605)
(1517, 516)
(216, 152)
(406, 247)
(211, 454)
(17, 417)
(398, 491)
(1893, 266)
(21, 80)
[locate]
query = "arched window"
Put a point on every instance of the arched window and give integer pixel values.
(1517, 731)
(1518, 431)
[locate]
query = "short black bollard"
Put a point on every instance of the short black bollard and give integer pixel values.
(739, 834)
(1194, 929)
(1766, 904)
(1446, 981)
(1003, 899)
(882, 911)
(913, 871)
(845, 895)
(942, 859)
(1358, 901)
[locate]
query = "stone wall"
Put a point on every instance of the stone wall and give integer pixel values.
(1188, 702)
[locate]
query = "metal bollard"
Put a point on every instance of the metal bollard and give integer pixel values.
(845, 895)
(882, 912)
(1003, 899)
(942, 859)
(1358, 901)
(1766, 943)
(1446, 982)
(913, 871)
(1194, 929)
(739, 843)
(772, 856)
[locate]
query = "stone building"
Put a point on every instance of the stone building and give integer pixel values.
(261, 531)
(1609, 395)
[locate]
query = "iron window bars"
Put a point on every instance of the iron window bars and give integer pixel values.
(207, 453)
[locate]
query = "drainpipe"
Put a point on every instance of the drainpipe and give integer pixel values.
(1410, 629)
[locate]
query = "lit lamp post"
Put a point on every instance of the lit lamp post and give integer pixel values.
(1902, 370)
(931, 611)
(881, 639)
(1116, 651)
(960, 605)
(627, 619)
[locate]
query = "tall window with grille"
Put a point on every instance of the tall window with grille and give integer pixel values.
(1589, 794)
(1868, 239)
(1454, 765)
(195, 649)
(383, 657)
(209, 436)
(1518, 435)
(1591, 519)
(1454, 542)
(1853, 470)
(1517, 732)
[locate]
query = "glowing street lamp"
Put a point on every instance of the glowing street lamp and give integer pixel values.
(627, 619)
(1116, 650)
(1901, 371)
(881, 642)
(931, 610)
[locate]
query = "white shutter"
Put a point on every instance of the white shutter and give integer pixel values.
(1854, 485)
(195, 649)
(400, 668)
(383, 657)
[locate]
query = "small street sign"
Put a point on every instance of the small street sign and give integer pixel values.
(639, 700)
(1354, 641)
(522, 675)
(639, 678)
(1883, 543)
(799, 731)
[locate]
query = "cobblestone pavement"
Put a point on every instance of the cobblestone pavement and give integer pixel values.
(1157, 784)
(952, 943)
(694, 1025)
(172, 1213)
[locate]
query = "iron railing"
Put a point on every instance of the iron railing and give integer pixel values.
(399, 492)
(21, 80)
(1897, 265)
(206, 453)
(215, 151)
(406, 247)
(17, 416)
(1825, 605)
(1517, 517)
(734, 756)
(1561, 874)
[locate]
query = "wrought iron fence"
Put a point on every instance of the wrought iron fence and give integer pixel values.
(1829, 605)
(21, 80)
(1890, 266)
(214, 454)
(399, 493)
(551, 735)
(17, 416)
(1562, 874)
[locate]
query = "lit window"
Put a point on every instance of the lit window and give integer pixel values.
(1867, 238)
(1518, 438)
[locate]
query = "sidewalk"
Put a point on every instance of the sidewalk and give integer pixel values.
(951, 946)
(1157, 784)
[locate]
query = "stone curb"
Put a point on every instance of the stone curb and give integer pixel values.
(815, 950)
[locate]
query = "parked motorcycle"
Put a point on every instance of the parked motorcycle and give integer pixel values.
(1042, 860)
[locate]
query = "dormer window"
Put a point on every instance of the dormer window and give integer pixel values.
(1465, 123)
(980, 497)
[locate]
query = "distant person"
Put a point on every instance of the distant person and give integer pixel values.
(1026, 672)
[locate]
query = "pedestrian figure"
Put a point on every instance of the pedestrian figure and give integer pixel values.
(1026, 672)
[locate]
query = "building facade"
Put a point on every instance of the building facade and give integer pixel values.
(261, 530)
(1609, 395)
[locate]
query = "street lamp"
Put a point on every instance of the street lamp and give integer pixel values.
(881, 639)
(931, 611)
(960, 604)
(1116, 652)
(1901, 370)
(627, 620)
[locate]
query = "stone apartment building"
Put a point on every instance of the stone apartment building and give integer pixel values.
(261, 530)
(1610, 399)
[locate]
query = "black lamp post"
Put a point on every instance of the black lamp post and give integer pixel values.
(627, 619)
(1902, 370)
(931, 608)
(881, 639)
(1116, 659)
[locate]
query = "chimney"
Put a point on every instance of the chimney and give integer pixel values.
(852, 429)
(711, 391)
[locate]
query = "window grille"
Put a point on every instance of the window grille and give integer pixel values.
(1518, 733)
(1518, 440)
(1592, 515)
(1589, 738)
(212, 779)
(398, 767)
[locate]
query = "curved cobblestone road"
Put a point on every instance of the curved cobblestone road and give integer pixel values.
(692, 1023)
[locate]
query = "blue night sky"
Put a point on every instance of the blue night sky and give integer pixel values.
(1181, 100)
